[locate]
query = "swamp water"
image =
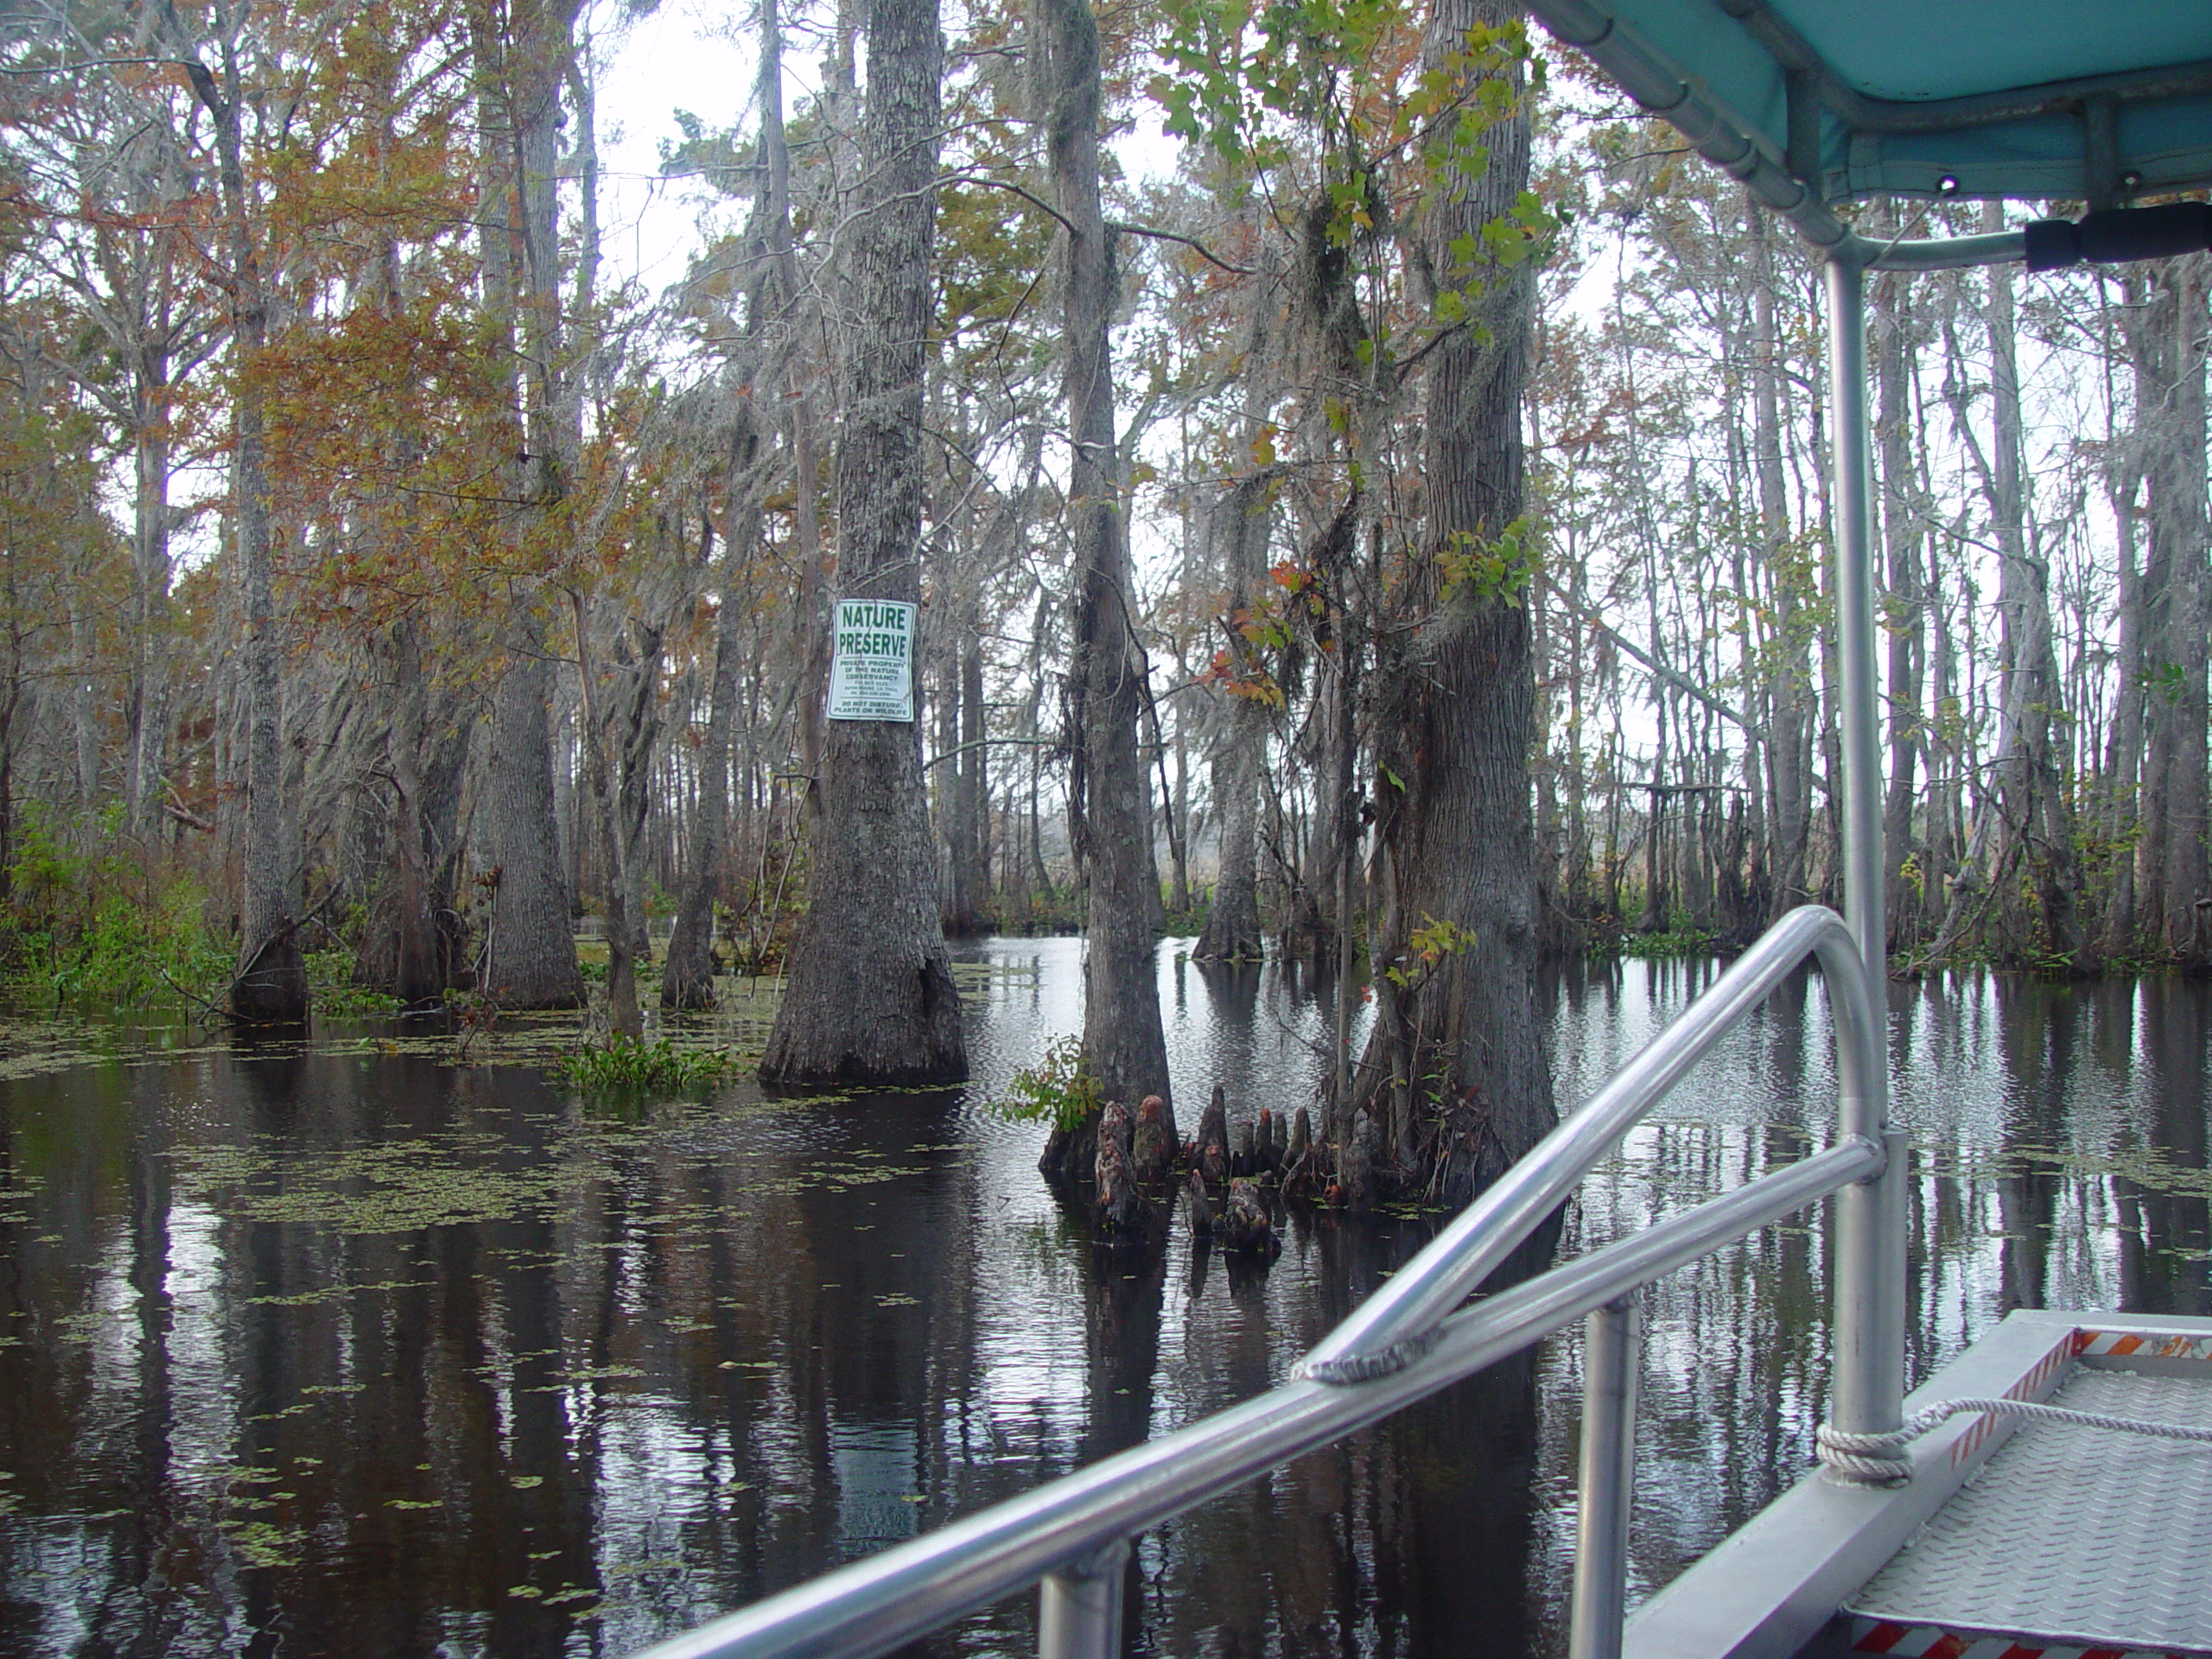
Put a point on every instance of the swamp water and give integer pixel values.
(341, 1349)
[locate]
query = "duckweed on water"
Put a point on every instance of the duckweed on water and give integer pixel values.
(262, 1544)
(393, 1187)
(714, 1047)
(462, 1177)
(2147, 1167)
(36, 1048)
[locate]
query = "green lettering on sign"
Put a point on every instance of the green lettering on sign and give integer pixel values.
(871, 673)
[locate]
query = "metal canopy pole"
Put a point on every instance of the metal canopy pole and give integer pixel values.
(1612, 1355)
(1870, 1311)
(1079, 1607)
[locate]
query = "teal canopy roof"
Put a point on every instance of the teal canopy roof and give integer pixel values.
(1817, 101)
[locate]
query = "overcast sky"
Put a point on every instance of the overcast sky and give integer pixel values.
(686, 55)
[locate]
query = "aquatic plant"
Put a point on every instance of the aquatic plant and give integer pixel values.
(330, 984)
(1682, 939)
(1060, 1089)
(619, 1062)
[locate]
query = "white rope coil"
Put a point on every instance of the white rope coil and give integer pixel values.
(1880, 1459)
(1864, 1460)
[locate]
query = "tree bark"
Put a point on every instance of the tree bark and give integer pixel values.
(806, 525)
(410, 938)
(1456, 1071)
(2124, 744)
(687, 975)
(271, 985)
(528, 955)
(2171, 878)
(1901, 539)
(1789, 673)
(1109, 796)
(624, 1018)
(2028, 692)
(530, 948)
(870, 997)
(630, 724)
(1232, 932)
(1237, 530)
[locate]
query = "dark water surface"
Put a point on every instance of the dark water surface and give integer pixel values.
(336, 1349)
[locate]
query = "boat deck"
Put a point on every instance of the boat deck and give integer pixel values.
(2017, 1539)
(2071, 1537)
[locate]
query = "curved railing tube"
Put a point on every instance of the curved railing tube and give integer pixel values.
(1404, 1343)
(889, 1599)
(1386, 1329)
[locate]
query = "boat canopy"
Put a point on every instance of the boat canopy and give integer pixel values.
(1811, 102)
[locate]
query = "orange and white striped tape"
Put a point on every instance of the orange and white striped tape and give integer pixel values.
(1932, 1641)
(2121, 1343)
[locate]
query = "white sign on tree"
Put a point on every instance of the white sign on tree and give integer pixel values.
(872, 664)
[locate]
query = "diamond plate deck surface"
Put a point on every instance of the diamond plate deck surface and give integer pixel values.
(2078, 1535)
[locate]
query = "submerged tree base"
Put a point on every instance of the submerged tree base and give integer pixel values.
(839, 1029)
(271, 988)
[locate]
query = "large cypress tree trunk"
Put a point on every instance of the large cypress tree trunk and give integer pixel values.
(2166, 341)
(1901, 539)
(2178, 712)
(1456, 1072)
(2124, 745)
(411, 943)
(870, 997)
(2029, 693)
(271, 985)
(530, 950)
(796, 372)
(149, 589)
(1232, 933)
(1108, 786)
(687, 975)
(1789, 673)
(528, 955)
(630, 722)
(1238, 533)
(597, 727)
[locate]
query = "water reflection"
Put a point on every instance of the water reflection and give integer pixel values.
(328, 1351)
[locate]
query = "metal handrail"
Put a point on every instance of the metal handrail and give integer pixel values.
(1063, 1532)
(1373, 1337)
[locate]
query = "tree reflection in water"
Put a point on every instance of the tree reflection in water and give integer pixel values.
(324, 1351)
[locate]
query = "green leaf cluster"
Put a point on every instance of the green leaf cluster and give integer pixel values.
(1060, 1089)
(1427, 946)
(1499, 568)
(1236, 63)
(621, 1062)
(330, 984)
(82, 919)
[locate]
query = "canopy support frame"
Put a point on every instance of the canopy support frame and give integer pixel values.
(1869, 1315)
